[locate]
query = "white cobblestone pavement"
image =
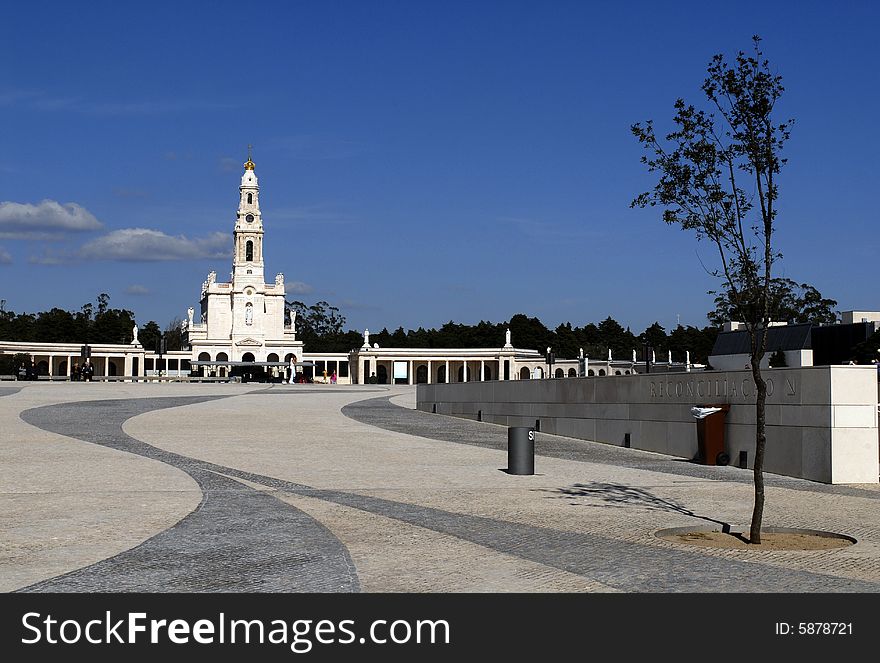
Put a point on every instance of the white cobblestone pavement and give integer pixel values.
(362, 494)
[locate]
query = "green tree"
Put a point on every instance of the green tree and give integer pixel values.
(383, 338)
(567, 344)
(319, 326)
(112, 325)
(868, 351)
(149, 336)
(173, 335)
(699, 342)
(788, 301)
(55, 326)
(718, 178)
(529, 332)
(655, 337)
(613, 336)
(777, 360)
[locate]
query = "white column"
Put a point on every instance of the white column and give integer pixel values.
(69, 365)
(464, 371)
(430, 380)
(482, 370)
(51, 365)
(447, 372)
(106, 365)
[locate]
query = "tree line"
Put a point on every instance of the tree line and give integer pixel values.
(321, 328)
(91, 324)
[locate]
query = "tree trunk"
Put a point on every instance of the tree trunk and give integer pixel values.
(760, 441)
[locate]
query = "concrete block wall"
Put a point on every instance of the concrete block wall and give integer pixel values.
(821, 421)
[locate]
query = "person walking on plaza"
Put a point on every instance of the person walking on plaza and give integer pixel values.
(333, 378)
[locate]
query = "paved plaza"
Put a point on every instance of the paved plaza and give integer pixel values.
(329, 488)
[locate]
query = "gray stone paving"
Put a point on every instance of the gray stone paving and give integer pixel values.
(241, 539)
(384, 414)
(238, 540)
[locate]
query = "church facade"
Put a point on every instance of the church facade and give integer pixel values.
(243, 320)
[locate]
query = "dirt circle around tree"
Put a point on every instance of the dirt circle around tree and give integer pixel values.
(772, 538)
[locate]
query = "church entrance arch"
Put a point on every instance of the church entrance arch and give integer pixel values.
(422, 374)
(222, 371)
(381, 374)
(441, 374)
(525, 373)
(274, 371)
(204, 356)
(248, 373)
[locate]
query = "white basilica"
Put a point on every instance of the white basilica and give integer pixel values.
(243, 321)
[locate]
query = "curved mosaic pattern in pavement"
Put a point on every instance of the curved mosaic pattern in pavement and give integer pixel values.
(380, 412)
(238, 540)
(241, 539)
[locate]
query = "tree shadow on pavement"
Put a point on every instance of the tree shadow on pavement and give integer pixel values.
(621, 495)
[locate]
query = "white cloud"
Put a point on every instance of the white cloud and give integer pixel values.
(50, 257)
(145, 245)
(5, 257)
(297, 288)
(47, 219)
(137, 289)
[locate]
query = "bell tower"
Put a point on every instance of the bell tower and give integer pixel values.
(247, 261)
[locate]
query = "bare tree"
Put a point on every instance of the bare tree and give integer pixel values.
(717, 178)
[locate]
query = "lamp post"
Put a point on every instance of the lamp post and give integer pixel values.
(161, 349)
(550, 361)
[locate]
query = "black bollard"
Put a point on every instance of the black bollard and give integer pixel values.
(520, 450)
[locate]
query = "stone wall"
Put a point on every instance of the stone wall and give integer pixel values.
(821, 421)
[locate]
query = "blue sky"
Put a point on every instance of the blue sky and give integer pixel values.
(418, 162)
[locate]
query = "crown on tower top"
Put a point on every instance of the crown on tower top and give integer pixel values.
(249, 164)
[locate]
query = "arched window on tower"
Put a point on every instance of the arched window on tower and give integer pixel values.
(249, 251)
(250, 199)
